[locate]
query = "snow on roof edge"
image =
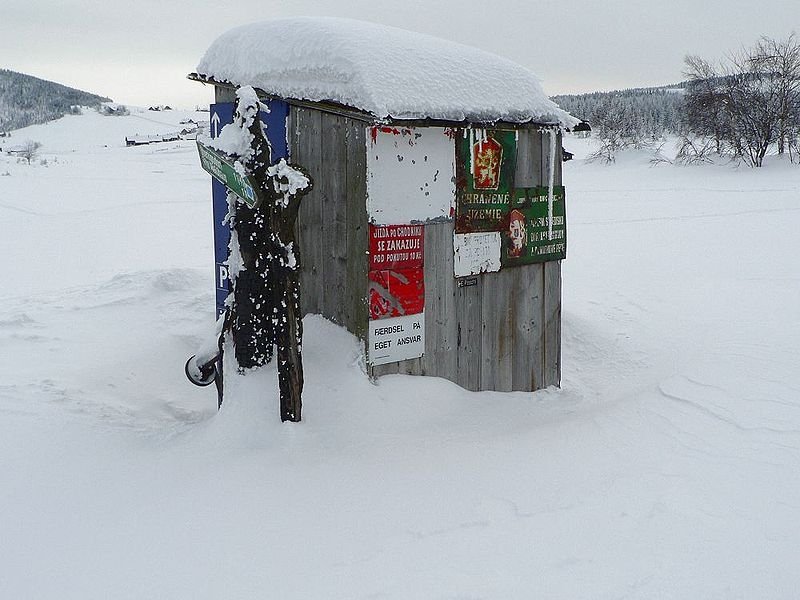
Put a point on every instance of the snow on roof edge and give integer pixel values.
(356, 112)
(390, 73)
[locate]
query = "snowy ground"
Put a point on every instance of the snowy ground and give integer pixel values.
(665, 467)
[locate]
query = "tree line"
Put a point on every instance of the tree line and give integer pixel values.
(627, 118)
(744, 107)
(27, 100)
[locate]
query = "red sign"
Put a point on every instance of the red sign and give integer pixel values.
(396, 293)
(396, 247)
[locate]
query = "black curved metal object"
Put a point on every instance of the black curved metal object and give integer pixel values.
(200, 375)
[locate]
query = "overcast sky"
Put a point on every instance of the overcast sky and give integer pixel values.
(139, 52)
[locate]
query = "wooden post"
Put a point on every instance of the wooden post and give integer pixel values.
(266, 293)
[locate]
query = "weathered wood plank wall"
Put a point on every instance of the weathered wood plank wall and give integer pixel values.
(332, 225)
(503, 332)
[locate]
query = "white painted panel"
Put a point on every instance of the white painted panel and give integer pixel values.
(396, 338)
(410, 174)
(476, 253)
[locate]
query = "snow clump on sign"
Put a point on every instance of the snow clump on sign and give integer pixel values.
(386, 71)
(286, 180)
(235, 138)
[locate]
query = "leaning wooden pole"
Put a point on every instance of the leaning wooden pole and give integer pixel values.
(265, 311)
(289, 325)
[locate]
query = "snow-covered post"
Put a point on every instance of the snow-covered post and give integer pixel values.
(265, 307)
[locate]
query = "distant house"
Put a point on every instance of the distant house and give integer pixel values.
(189, 129)
(582, 129)
(112, 109)
(15, 150)
(140, 140)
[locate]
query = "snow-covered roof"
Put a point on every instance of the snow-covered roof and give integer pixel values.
(386, 71)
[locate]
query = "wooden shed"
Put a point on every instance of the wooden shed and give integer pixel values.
(436, 225)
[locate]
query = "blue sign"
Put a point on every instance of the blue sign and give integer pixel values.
(275, 127)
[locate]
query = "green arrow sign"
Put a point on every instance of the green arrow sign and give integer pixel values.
(221, 168)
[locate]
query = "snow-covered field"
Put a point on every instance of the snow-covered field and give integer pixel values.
(667, 466)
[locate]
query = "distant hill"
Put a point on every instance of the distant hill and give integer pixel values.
(27, 100)
(657, 108)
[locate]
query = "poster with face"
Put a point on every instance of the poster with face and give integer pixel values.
(517, 233)
(536, 233)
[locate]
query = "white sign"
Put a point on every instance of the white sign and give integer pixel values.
(410, 174)
(396, 338)
(476, 253)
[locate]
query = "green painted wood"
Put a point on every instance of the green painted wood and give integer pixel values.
(222, 168)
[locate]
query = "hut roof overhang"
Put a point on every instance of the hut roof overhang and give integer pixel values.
(381, 72)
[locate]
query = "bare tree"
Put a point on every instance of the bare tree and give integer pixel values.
(695, 150)
(780, 61)
(617, 126)
(750, 102)
(704, 105)
(753, 105)
(30, 150)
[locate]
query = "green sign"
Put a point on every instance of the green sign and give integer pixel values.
(224, 170)
(534, 233)
(531, 223)
(487, 165)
